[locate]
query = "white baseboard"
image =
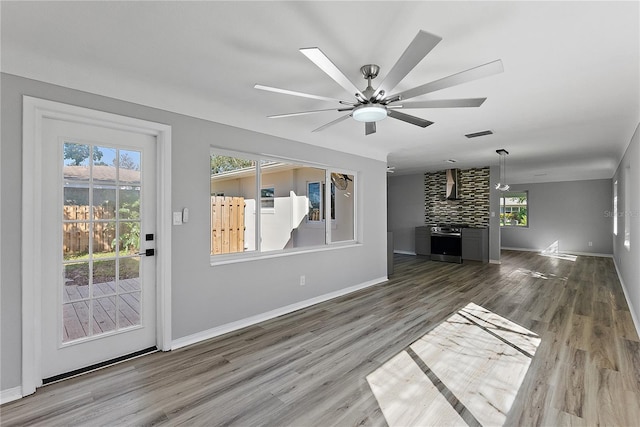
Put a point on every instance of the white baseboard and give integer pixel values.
(561, 252)
(632, 309)
(507, 248)
(495, 261)
(404, 252)
(10, 395)
(588, 254)
(243, 323)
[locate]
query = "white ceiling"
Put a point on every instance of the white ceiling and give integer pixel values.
(565, 107)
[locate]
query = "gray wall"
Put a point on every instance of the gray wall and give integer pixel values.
(405, 210)
(627, 260)
(572, 213)
(203, 297)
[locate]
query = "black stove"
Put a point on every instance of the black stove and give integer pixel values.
(448, 228)
(446, 242)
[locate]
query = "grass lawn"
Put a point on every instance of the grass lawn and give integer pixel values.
(77, 273)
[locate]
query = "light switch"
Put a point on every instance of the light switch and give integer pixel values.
(177, 218)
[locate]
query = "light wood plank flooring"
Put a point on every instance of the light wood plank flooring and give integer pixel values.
(310, 368)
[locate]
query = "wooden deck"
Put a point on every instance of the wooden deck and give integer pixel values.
(110, 312)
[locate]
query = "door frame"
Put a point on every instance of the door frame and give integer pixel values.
(34, 111)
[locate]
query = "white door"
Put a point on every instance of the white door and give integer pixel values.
(98, 286)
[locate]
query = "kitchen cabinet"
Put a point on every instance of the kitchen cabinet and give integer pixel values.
(423, 240)
(475, 244)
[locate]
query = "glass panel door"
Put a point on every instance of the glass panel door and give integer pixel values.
(101, 292)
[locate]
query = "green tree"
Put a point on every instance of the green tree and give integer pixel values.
(221, 164)
(79, 153)
(126, 162)
(129, 230)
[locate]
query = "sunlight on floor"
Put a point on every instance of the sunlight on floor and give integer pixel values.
(465, 371)
(534, 274)
(553, 251)
(539, 275)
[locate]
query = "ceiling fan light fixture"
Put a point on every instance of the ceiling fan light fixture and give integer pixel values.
(369, 113)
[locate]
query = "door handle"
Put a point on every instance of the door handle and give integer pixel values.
(148, 252)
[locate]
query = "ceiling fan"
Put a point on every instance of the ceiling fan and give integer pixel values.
(372, 105)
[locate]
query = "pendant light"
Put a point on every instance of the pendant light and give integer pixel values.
(502, 185)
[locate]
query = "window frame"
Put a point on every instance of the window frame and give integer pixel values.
(615, 207)
(503, 208)
(220, 259)
(626, 212)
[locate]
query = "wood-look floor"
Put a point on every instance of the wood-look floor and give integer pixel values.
(310, 367)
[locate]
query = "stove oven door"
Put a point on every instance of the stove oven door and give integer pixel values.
(446, 248)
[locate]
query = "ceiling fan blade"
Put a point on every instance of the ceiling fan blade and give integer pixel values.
(409, 119)
(445, 103)
(475, 73)
(303, 113)
(369, 128)
(302, 94)
(320, 59)
(421, 45)
(336, 121)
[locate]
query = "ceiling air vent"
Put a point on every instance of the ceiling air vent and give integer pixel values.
(477, 134)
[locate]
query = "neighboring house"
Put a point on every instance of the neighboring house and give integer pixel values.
(292, 199)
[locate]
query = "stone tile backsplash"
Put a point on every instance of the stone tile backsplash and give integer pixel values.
(473, 205)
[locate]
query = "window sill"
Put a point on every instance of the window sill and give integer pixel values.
(238, 258)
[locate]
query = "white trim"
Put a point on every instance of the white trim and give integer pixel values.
(596, 254)
(10, 394)
(495, 261)
(507, 248)
(34, 110)
(395, 251)
(243, 323)
(163, 237)
(632, 309)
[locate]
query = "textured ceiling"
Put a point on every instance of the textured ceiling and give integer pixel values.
(565, 107)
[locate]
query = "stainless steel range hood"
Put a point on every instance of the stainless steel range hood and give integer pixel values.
(452, 184)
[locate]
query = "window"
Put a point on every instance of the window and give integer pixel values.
(315, 201)
(615, 208)
(514, 209)
(292, 208)
(627, 207)
(267, 197)
(315, 191)
(233, 189)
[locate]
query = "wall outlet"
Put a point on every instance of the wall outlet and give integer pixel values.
(590, 243)
(302, 280)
